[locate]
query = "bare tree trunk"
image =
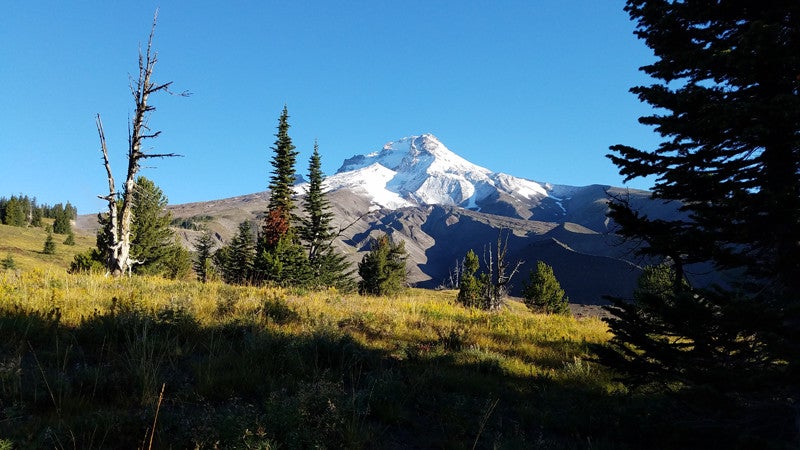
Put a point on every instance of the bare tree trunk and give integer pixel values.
(497, 287)
(120, 220)
(116, 263)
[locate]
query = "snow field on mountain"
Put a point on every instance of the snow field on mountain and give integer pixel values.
(420, 170)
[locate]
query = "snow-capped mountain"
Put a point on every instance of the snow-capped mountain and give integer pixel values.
(420, 170)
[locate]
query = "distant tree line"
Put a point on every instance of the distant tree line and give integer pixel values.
(23, 211)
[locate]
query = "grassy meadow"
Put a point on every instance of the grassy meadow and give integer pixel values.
(92, 362)
(26, 247)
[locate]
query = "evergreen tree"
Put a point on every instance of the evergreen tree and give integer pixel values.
(470, 287)
(36, 215)
(235, 260)
(62, 217)
(283, 164)
(279, 256)
(315, 230)
(153, 245)
(383, 269)
(285, 263)
(15, 213)
(72, 212)
(101, 252)
(70, 240)
(333, 270)
(49, 243)
(543, 292)
(203, 246)
(221, 261)
(327, 267)
(728, 101)
(178, 264)
(657, 281)
(276, 226)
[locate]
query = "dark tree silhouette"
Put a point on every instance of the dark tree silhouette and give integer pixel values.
(727, 94)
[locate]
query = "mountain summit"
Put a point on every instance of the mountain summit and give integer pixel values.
(420, 170)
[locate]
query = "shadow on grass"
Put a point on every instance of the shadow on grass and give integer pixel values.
(253, 384)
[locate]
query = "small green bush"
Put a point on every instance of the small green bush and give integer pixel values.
(543, 292)
(8, 262)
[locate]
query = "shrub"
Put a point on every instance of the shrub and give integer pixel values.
(383, 269)
(470, 287)
(8, 262)
(49, 244)
(543, 292)
(86, 262)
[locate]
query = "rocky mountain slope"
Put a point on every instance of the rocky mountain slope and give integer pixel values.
(442, 205)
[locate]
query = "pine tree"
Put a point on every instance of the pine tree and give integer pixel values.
(728, 99)
(383, 269)
(49, 243)
(543, 292)
(235, 261)
(470, 288)
(276, 226)
(62, 216)
(36, 215)
(203, 246)
(153, 246)
(103, 240)
(656, 281)
(89, 261)
(278, 256)
(283, 164)
(221, 261)
(327, 267)
(15, 213)
(315, 230)
(285, 263)
(70, 240)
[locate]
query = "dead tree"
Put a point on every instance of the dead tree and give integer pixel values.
(119, 245)
(496, 287)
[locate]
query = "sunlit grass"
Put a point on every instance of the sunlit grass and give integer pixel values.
(26, 244)
(341, 367)
(524, 343)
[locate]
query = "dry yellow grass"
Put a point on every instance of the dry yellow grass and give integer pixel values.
(523, 343)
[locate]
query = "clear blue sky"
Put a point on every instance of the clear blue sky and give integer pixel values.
(536, 89)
